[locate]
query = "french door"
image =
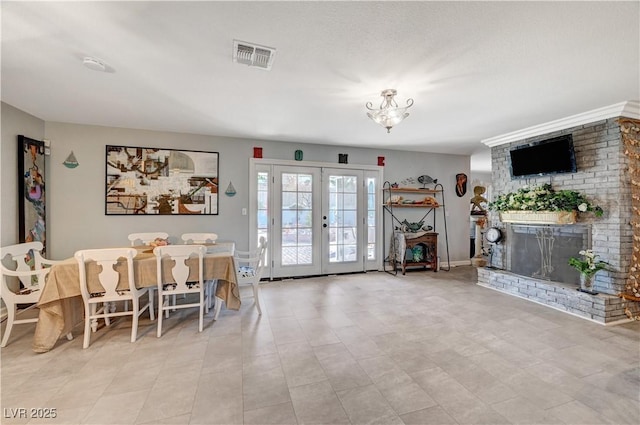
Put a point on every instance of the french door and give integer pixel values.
(318, 220)
(296, 232)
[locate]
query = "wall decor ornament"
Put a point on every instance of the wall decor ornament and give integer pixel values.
(71, 161)
(343, 158)
(31, 194)
(231, 191)
(298, 155)
(381, 161)
(461, 184)
(424, 180)
(478, 202)
(155, 181)
(408, 181)
(257, 152)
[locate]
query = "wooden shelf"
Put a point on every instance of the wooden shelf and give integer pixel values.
(412, 190)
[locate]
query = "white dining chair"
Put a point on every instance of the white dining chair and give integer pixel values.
(146, 238)
(22, 281)
(179, 279)
(98, 265)
(203, 238)
(249, 267)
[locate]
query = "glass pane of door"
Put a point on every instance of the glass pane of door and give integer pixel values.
(297, 220)
(343, 210)
(262, 210)
(371, 188)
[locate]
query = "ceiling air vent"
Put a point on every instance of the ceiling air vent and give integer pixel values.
(253, 54)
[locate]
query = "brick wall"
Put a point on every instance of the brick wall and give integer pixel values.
(602, 176)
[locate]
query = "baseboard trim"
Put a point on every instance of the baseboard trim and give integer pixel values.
(458, 263)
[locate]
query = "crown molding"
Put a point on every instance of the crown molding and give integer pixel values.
(630, 109)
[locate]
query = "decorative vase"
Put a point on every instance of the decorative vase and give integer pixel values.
(586, 282)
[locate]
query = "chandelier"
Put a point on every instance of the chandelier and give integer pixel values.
(389, 114)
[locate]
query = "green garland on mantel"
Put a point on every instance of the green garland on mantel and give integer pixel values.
(544, 198)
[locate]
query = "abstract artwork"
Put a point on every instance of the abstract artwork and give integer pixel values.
(150, 181)
(31, 205)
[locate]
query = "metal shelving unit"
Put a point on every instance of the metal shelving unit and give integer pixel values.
(389, 213)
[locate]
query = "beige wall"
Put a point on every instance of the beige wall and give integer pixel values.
(76, 196)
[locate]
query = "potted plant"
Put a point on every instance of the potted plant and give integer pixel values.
(588, 265)
(543, 205)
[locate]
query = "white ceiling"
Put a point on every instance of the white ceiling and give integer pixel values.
(475, 69)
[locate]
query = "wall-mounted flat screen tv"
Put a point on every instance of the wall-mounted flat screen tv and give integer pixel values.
(553, 156)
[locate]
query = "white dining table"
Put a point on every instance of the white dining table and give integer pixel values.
(61, 306)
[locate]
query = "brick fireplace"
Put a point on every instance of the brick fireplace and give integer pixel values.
(602, 177)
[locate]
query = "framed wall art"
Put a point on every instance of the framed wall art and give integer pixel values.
(153, 181)
(31, 191)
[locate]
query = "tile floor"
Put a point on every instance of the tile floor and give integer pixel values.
(425, 348)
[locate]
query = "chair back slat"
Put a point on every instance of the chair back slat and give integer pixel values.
(180, 270)
(262, 251)
(109, 277)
